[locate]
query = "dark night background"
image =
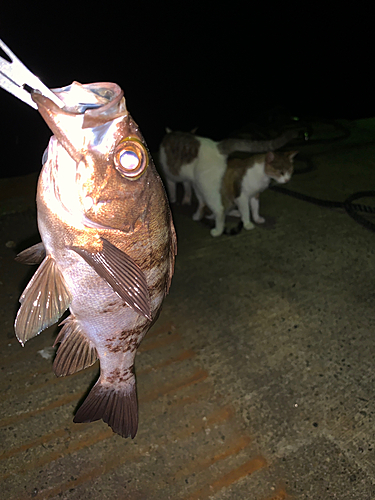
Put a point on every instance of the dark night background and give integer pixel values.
(187, 65)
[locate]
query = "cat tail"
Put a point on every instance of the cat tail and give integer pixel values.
(231, 145)
(117, 406)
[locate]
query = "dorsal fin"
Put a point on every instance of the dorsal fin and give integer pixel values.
(43, 301)
(75, 352)
(32, 255)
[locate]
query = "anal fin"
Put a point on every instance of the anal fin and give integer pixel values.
(75, 352)
(117, 407)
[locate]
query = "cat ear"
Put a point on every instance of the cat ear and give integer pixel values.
(292, 154)
(193, 130)
(270, 157)
(168, 130)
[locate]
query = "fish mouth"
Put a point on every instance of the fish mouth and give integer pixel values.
(99, 102)
(79, 98)
(96, 103)
(88, 112)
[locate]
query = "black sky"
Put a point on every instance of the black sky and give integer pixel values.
(183, 66)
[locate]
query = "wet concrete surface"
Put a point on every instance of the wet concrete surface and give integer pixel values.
(257, 381)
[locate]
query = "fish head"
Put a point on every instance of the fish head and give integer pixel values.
(98, 160)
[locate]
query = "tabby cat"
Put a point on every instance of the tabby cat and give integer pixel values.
(181, 153)
(244, 180)
(221, 183)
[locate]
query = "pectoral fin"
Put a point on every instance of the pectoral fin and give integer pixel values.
(122, 274)
(32, 255)
(43, 301)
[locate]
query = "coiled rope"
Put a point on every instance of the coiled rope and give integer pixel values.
(351, 208)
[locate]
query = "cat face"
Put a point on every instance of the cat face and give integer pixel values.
(279, 166)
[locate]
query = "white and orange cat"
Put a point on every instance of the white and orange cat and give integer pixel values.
(219, 183)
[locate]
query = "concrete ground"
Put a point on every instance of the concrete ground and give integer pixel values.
(257, 381)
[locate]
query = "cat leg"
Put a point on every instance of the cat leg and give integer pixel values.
(242, 203)
(186, 200)
(219, 224)
(254, 205)
(201, 204)
(171, 185)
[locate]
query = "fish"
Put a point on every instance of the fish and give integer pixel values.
(108, 246)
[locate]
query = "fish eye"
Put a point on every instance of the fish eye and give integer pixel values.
(131, 158)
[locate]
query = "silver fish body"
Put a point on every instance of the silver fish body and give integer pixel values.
(109, 245)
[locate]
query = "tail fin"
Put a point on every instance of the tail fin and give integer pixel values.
(117, 407)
